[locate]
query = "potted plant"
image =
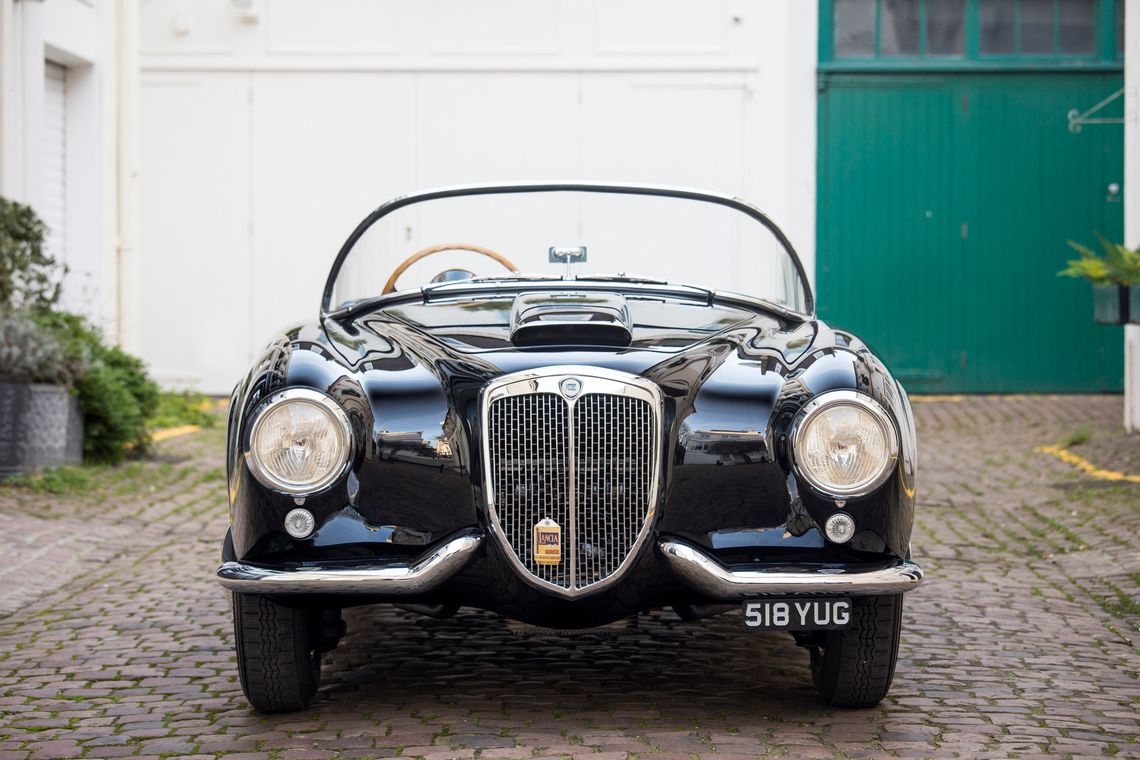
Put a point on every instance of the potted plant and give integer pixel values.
(40, 421)
(1115, 278)
(65, 394)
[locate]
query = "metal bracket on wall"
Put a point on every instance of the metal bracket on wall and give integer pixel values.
(1077, 119)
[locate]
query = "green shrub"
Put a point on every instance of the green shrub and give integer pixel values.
(132, 373)
(111, 416)
(29, 278)
(29, 288)
(115, 393)
(116, 397)
(40, 344)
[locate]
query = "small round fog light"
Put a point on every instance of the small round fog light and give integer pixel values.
(839, 528)
(299, 523)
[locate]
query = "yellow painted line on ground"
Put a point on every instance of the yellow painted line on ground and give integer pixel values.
(165, 434)
(1085, 465)
(935, 398)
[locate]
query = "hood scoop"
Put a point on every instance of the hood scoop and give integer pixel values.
(570, 319)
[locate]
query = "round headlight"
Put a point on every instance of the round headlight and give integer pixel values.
(845, 443)
(300, 442)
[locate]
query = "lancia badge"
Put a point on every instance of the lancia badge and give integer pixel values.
(547, 542)
(570, 387)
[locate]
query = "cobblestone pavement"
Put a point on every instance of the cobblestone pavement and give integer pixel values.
(115, 642)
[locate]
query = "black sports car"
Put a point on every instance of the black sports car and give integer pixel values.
(570, 450)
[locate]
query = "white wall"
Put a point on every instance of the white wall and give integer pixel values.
(82, 36)
(268, 128)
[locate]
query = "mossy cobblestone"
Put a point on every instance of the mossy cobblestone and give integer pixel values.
(115, 642)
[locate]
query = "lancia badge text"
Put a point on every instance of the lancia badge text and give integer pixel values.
(570, 387)
(547, 542)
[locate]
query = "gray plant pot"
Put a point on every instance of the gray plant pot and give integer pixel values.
(1110, 304)
(1134, 304)
(40, 426)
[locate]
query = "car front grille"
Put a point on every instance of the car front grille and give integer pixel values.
(587, 463)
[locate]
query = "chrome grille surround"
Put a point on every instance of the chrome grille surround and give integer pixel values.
(594, 453)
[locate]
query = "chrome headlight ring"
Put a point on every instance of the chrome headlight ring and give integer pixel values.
(829, 400)
(339, 426)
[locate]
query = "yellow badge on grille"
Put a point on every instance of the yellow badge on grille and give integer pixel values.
(547, 542)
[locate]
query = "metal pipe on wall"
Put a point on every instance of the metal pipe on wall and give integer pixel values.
(127, 177)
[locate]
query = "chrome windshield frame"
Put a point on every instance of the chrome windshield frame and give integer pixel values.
(664, 191)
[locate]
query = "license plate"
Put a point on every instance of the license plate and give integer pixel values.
(825, 614)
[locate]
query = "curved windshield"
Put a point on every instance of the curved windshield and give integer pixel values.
(673, 235)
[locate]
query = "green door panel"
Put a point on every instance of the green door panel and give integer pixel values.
(944, 204)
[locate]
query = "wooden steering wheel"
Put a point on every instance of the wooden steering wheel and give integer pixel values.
(390, 286)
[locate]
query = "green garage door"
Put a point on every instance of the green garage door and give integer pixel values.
(946, 195)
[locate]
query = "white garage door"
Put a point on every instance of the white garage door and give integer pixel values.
(53, 207)
(266, 138)
(244, 211)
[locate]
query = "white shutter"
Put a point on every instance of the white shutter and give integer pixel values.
(54, 206)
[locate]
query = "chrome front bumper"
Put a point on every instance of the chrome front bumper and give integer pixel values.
(716, 581)
(396, 578)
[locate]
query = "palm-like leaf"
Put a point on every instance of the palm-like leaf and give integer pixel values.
(1119, 265)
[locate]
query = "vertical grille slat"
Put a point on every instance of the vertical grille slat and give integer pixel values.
(593, 456)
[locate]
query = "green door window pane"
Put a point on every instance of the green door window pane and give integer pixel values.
(997, 35)
(964, 34)
(1120, 30)
(854, 24)
(1076, 27)
(1036, 27)
(898, 27)
(945, 27)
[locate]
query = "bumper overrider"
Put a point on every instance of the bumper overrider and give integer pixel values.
(715, 580)
(420, 576)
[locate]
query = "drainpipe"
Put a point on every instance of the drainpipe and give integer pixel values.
(127, 177)
(1132, 202)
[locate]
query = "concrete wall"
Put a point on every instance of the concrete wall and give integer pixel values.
(269, 128)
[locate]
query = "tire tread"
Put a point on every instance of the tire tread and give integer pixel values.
(857, 664)
(278, 669)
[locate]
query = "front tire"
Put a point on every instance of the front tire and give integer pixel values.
(854, 667)
(278, 659)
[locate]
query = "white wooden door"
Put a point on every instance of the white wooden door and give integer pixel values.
(196, 268)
